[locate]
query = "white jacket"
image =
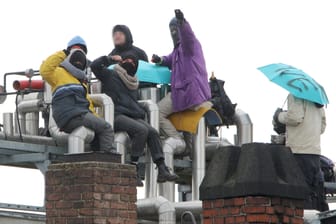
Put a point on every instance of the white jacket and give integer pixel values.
(304, 125)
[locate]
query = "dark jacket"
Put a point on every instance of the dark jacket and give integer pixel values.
(128, 48)
(125, 100)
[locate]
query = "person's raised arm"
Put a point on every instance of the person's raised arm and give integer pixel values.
(99, 67)
(187, 36)
(48, 66)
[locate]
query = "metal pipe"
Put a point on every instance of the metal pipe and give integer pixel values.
(157, 206)
(32, 123)
(150, 93)
(167, 189)
(61, 138)
(8, 124)
(121, 139)
(28, 106)
(77, 139)
(105, 102)
(198, 157)
(151, 173)
(195, 207)
(47, 95)
(244, 128)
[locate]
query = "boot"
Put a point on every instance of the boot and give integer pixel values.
(138, 177)
(165, 174)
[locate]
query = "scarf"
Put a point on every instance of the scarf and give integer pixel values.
(131, 82)
(77, 73)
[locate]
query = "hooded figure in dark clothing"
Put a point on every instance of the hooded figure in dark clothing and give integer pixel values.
(121, 84)
(123, 43)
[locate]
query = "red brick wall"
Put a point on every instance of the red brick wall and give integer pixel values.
(252, 210)
(91, 192)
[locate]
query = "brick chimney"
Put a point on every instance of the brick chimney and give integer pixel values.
(91, 188)
(258, 183)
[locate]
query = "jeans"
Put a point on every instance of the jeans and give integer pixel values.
(104, 135)
(140, 133)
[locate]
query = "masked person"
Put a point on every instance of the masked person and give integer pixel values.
(71, 104)
(121, 84)
(123, 45)
(189, 80)
(305, 122)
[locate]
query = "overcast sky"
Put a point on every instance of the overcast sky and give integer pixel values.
(237, 37)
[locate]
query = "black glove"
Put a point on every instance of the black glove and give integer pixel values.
(156, 59)
(179, 15)
(278, 127)
(66, 52)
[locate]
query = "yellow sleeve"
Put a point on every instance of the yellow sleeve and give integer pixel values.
(48, 67)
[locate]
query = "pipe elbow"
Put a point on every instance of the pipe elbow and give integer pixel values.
(82, 133)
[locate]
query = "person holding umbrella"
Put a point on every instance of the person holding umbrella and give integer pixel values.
(305, 121)
(189, 80)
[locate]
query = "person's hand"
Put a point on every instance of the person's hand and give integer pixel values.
(156, 59)
(276, 114)
(179, 15)
(66, 52)
(116, 58)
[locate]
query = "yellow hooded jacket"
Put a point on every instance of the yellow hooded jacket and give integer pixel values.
(70, 96)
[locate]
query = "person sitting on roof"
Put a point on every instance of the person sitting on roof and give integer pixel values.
(121, 84)
(71, 103)
(189, 82)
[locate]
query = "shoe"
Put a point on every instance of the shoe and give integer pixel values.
(165, 175)
(178, 144)
(138, 177)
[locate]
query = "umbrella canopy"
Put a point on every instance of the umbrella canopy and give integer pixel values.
(148, 72)
(297, 82)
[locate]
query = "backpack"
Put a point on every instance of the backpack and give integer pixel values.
(327, 167)
(221, 103)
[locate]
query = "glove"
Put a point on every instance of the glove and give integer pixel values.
(66, 52)
(156, 59)
(179, 15)
(276, 115)
(278, 127)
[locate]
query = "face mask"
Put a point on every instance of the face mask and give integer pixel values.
(174, 32)
(129, 66)
(78, 59)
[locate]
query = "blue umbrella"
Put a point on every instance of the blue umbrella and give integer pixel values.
(297, 82)
(148, 72)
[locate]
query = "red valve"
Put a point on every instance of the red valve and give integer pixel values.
(28, 84)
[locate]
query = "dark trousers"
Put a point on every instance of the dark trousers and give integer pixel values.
(140, 133)
(104, 135)
(311, 168)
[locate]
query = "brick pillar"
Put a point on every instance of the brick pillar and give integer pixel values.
(258, 183)
(90, 192)
(243, 210)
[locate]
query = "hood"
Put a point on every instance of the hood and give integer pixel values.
(129, 38)
(174, 31)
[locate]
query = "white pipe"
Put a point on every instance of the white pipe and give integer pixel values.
(61, 138)
(77, 139)
(195, 207)
(8, 124)
(244, 128)
(32, 123)
(198, 158)
(151, 173)
(105, 102)
(157, 206)
(121, 139)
